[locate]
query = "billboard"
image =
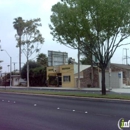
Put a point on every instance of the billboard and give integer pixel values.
(57, 58)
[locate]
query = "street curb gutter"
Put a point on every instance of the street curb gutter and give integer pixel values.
(75, 97)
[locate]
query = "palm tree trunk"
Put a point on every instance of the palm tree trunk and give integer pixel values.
(20, 55)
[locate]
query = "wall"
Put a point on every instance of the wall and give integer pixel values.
(76, 78)
(64, 70)
(52, 71)
(86, 80)
(15, 81)
(67, 70)
(82, 67)
(125, 72)
(115, 80)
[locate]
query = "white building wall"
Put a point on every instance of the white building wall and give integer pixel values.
(82, 67)
(15, 81)
(114, 80)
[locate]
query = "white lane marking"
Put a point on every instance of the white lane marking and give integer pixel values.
(58, 108)
(8, 101)
(86, 112)
(35, 104)
(2, 100)
(73, 110)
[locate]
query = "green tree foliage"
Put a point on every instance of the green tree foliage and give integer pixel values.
(5, 80)
(32, 41)
(19, 25)
(96, 27)
(32, 38)
(85, 61)
(38, 76)
(37, 73)
(32, 65)
(42, 59)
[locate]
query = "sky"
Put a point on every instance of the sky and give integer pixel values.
(30, 9)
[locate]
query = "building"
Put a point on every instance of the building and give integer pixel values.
(67, 75)
(57, 58)
(17, 81)
(64, 75)
(123, 72)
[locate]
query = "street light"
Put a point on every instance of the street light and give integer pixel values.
(10, 64)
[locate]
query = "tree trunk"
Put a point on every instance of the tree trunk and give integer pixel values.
(20, 55)
(92, 71)
(27, 72)
(78, 68)
(27, 66)
(103, 81)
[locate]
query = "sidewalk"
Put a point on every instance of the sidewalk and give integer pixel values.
(121, 90)
(115, 90)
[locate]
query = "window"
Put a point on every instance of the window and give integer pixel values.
(66, 78)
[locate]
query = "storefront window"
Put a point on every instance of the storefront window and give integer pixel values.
(66, 79)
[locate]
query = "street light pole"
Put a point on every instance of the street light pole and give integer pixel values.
(10, 64)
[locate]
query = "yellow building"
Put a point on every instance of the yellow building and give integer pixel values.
(64, 75)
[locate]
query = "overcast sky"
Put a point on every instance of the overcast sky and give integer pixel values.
(29, 9)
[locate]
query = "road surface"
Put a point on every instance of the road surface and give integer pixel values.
(31, 112)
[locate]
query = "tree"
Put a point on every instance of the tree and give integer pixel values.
(32, 41)
(38, 76)
(19, 25)
(85, 61)
(96, 27)
(42, 59)
(32, 65)
(37, 73)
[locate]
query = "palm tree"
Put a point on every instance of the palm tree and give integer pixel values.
(19, 25)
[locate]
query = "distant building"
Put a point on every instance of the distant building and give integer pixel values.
(57, 58)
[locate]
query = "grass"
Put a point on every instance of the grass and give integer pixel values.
(64, 93)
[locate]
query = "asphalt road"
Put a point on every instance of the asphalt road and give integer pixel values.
(26, 112)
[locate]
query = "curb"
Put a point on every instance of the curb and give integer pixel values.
(74, 97)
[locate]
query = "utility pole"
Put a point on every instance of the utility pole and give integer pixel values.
(126, 57)
(14, 66)
(8, 68)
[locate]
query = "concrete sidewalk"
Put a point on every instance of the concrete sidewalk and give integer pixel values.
(115, 90)
(121, 90)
